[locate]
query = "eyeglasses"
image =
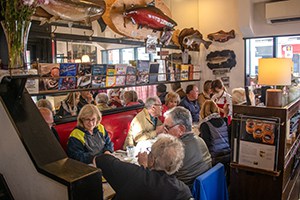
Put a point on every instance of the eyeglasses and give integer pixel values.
(168, 128)
(89, 120)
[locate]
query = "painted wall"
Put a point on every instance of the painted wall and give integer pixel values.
(213, 15)
(246, 17)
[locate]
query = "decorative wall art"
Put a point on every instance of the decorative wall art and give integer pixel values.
(221, 36)
(221, 59)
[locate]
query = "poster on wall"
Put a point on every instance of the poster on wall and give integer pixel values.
(258, 142)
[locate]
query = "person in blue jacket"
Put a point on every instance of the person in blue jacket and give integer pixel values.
(89, 138)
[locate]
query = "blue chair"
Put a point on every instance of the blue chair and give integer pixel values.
(211, 185)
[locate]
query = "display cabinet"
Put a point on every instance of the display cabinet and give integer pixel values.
(265, 152)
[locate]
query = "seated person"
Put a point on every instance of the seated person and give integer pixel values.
(86, 97)
(206, 94)
(130, 98)
(239, 96)
(172, 100)
(145, 125)
(68, 106)
(153, 182)
(197, 159)
(114, 96)
(176, 87)
(89, 138)
(161, 92)
(48, 117)
(102, 101)
(214, 132)
(190, 102)
(44, 103)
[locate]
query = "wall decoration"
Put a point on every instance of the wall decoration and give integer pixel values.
(140, 20)
(191, 39)
(221, 59)
(221, 36)
(84, 11)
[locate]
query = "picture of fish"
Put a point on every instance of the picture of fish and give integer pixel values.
(221, 36)
(74, 11)
(195, 39)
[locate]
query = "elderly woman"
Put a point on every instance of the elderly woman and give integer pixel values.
(102, 101)
(89, 138)
(130, 98)
(68, 106)
(155, 181)
(214, 132)
(172, 100)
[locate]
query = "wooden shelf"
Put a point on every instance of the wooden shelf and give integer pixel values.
(251, 169)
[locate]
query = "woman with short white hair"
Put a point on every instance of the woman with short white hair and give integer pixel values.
(131, 181)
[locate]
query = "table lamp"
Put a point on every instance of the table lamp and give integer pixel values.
(274, 72)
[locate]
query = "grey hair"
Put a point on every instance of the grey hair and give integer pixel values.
(151, 101)
(168, 153)
(44, 103)
(180, 115)
(88, 110)
(101, 98)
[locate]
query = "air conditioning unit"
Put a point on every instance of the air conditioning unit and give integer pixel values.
(283, 11)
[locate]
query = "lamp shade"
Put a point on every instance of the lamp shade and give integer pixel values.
(85, 58)
(275, 71)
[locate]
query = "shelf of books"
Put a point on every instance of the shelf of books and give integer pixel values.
(68, 77)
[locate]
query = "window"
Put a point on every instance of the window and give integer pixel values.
(127, 55)
(141, 54)
(268, 47)
(113, 56)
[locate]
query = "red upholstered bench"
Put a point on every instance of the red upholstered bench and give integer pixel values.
(117, 126)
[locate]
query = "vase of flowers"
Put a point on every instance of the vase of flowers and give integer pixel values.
(16, 21)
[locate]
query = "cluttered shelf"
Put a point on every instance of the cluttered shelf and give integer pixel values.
(67, 77)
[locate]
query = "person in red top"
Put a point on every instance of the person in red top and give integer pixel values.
(222, 98)
(172, 100)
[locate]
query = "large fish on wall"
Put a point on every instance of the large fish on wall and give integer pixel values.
(118, 13)
(74, 10)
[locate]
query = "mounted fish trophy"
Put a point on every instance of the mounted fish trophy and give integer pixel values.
(221, 36)
(221, 59)
(138, 18)
(80, 11)
(191, 39)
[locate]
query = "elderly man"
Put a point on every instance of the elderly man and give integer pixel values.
(197, 159)
(145, 125)
(190, 102)
(135, 182)
(48, 117)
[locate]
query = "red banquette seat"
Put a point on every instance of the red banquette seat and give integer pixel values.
(116, 124)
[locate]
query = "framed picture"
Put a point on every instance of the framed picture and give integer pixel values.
(257, 142)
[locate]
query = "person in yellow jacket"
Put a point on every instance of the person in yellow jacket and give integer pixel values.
(89, 138)
(145, 125)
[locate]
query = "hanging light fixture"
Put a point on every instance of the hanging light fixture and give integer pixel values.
(85, 58)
